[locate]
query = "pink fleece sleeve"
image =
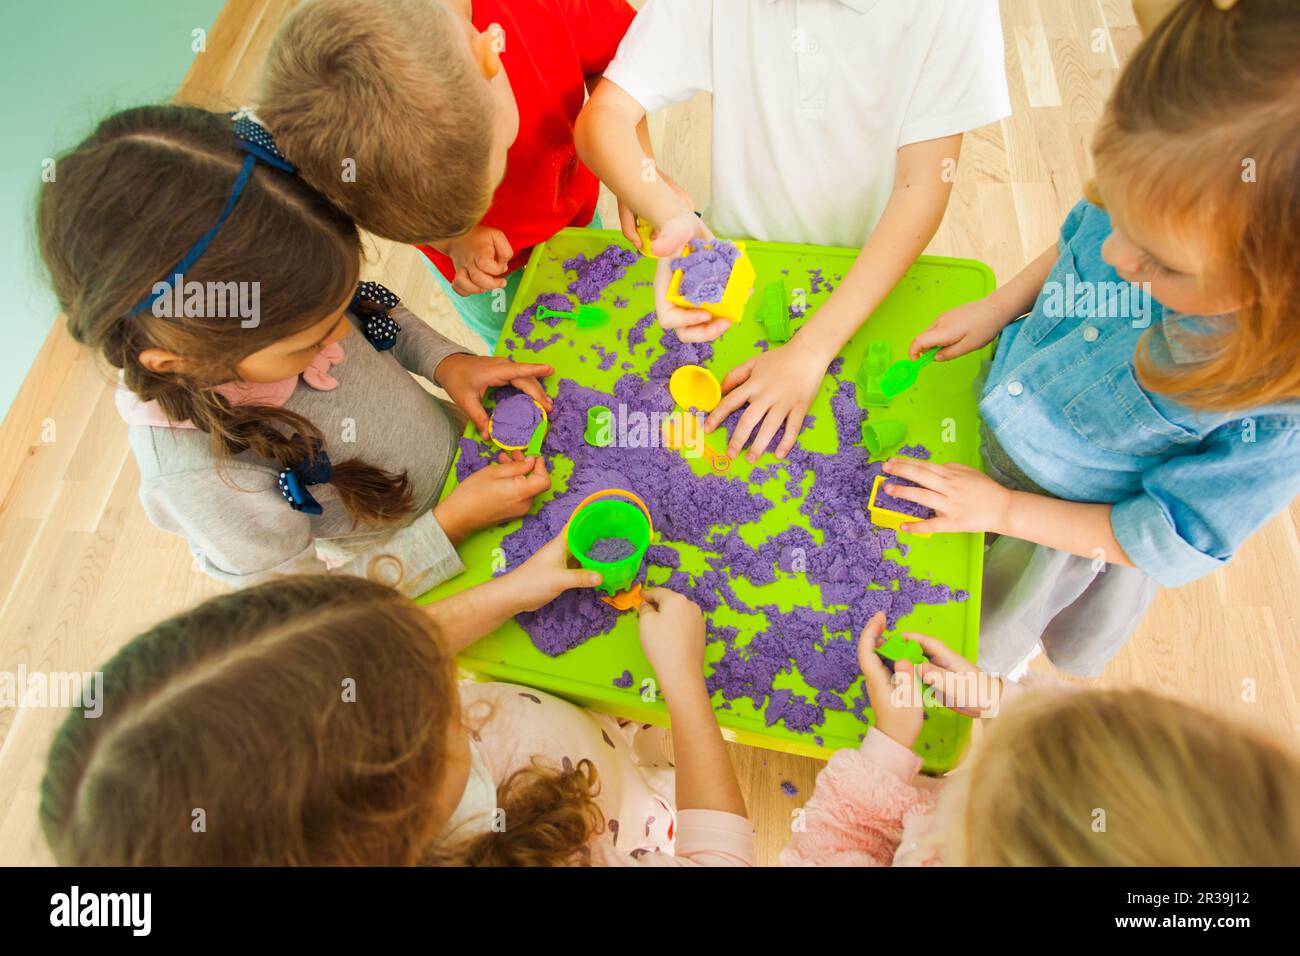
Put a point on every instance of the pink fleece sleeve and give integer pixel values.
(704, 838)
(855, 815)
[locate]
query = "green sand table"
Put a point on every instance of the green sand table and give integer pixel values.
(941, 406)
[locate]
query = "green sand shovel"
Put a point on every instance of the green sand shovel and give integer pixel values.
(898, 648)
(902, 375)
(587, 316)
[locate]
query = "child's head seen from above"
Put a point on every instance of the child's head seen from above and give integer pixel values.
(128, 204)
(1198, 164)
(315, 720)
(398, 110)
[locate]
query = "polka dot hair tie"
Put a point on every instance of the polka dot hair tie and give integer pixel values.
(371, 304)
(314, 469)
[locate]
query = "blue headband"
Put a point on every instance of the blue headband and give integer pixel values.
(256, 141)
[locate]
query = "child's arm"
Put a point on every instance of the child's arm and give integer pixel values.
(672, 636)
(856, 813)
(964, 499)
(975, 324)
(465, 617)
(779, 385)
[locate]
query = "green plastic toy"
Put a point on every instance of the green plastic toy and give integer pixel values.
(775, 313)
(587, 316)
(899, 648)
(599, 426)
(535, 442)
(874, 365)
(610, 518)
(880, 436)
(902, 375)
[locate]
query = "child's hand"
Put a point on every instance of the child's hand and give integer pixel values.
(497, 493)
(898, 708)
(778, 386)
(962, 498)
(958, 684)
(481, 258)
(627, 216)
(691, 325)
(545, 576)
(672, 637)
(966, 328)
(466, 378)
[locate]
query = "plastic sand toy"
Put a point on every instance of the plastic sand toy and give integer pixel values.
(643, 230)
(685, 431)
(609, 532)
(902, 375)
(899, 648)
(888, 517)
(694, 388)
(775, 313)
(539, 435)
(599, 427)
(873, 368)
(514, 422)
(714, 276)
(883, 435)
(587, 316)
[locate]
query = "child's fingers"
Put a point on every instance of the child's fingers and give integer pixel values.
(627, 222)
(872, 630)
(922, 496)
(482, 279)
(935, 525)
(793, 425)
(749, 420)
(737, 376)
(706, 331)
(501, 246)
(462, 285)
(923, 473)
(766, 431)
(934, 335)
(684, 321)
(514, 469)
(533, 389)
(939, 652)
(735, 393)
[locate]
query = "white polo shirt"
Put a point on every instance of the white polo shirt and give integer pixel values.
(813, 98)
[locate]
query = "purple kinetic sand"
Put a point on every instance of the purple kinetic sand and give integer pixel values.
(526, 320)
(885, 500)
(609, 550)
(620, 302)
(625, 681)
(514, 419)
(835, 367)
(915, 451)
(636, 334)
(705, 271)
(789, 789)
(597, 274)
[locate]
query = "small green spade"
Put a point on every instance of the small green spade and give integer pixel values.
(899, 648)
(902, 375)
(587, 316)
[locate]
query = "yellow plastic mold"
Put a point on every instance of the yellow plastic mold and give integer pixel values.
(888, 517)
(740, 286)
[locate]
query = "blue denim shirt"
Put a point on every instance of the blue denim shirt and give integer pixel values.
(1063, 401)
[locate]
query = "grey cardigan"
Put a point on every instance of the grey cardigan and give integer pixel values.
(239, 527)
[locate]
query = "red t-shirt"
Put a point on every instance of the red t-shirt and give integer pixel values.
(551, 47)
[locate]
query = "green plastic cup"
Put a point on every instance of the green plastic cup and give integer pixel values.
(883, 435)
(610, 518)
(600, 425)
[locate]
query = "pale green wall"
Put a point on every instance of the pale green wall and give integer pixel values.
(63, 65)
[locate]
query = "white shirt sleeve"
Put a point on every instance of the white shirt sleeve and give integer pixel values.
(963, 84)
(666, 55)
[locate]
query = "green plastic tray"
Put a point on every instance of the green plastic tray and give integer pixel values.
(940, 412)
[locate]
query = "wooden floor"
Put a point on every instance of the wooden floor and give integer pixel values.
(82, 570)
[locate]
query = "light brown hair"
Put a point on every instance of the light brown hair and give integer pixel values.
(387, 90)
(237, 708)
(127, 204)
(1209, 99)
(1124, 777)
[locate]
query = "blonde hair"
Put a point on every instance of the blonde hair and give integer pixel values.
(1123, 777)
(388, 89)
(1209, 100)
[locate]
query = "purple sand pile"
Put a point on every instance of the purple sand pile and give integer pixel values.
(789, 789)
(609, 550)
(514, 419)
(705, 271)
(885, 500)
(526, 320)
(597, 274)
(636, 335)
(915, 451)
(624, 681)
(620, 302)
